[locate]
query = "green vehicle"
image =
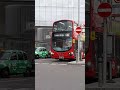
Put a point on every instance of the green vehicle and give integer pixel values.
(41, 52)
(14, 62)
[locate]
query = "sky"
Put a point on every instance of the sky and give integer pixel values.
(48, 11)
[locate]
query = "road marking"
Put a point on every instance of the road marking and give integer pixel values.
(24, 89)
(63, 64)
(53, 64)
(82, 65)
(37, 63)
(45, 63)
(56, 64)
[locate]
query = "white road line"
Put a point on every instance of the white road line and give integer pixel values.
(45, 63)
(82, 65)
(53, 64)
(37, 63)
(63, 64)
(24, 89)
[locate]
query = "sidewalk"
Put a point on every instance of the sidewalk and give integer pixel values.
(108, 86)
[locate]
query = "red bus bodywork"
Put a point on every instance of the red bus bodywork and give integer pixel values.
(68, 54)
(90, 60)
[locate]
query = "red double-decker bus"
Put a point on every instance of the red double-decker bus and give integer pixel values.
(64, 40)
(94, 43)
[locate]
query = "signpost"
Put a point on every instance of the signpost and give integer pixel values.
(104, 10)
(78, 30)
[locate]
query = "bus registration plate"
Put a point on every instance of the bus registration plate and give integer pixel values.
(61, 57)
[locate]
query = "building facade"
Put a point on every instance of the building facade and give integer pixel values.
(49, 11)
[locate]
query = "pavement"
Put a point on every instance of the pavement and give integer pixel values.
(108, 86)
(17, 83)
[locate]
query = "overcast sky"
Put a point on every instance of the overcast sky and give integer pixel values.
(48, 11)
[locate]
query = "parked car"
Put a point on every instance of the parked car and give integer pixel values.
(14, 62)
(41, 52)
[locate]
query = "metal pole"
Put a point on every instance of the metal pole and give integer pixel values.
(100, 62)
(78, 12)
(78, 59)
(104, 51)
(100, 80)
(104, 48)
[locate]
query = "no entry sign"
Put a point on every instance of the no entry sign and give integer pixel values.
(78, 30)
(104, 9)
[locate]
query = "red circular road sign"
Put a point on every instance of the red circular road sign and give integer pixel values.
(78, 30)
(117, 1)
(104, 9)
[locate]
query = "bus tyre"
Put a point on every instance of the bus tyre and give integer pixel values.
(27, 73)
(5, 73)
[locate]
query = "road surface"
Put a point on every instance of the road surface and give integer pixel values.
(58, 75)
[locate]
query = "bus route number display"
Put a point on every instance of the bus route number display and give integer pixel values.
(62, 35)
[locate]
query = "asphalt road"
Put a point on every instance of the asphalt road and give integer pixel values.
(58, 75)
(17, 83)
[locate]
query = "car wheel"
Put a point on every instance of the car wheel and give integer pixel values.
(27, 73)
(5, 73)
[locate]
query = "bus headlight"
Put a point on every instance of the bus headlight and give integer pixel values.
(89, 64)
(71, 53)
(51, 53)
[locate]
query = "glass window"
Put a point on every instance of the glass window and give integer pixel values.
(13, 56)
(87, 35)
(62, 41)
(87, 28)
(25, 56)
(4, 55)
(62, 26)
(20, 56)
(40, 50)
(44, 49)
